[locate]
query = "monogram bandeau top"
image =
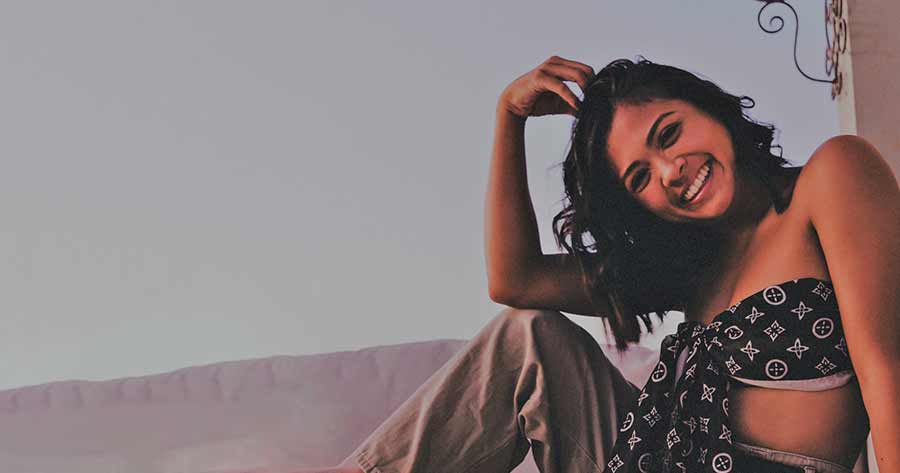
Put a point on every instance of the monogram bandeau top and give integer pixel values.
(786, 336)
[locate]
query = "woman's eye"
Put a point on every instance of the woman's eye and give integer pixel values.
(664, 137)
(638, 180)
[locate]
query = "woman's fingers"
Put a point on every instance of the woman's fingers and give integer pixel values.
(557, 73)
(586, 72)
(587, 68)
(554, 84)
(542, 90)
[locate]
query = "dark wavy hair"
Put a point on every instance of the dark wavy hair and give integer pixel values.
(640, 263)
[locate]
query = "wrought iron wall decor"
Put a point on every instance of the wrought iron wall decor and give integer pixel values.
(835, 37)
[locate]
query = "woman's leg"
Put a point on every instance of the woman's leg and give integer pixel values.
(528, 375)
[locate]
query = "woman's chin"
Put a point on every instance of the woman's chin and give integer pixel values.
(710, 211)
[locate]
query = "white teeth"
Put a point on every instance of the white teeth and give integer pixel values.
(698, 183)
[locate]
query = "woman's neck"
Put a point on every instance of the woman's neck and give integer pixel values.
(753, 202)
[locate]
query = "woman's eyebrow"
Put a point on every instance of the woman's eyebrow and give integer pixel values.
(650, 135)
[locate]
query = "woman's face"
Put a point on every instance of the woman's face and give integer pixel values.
(657, 151)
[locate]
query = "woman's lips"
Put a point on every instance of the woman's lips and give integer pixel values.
(706, 184)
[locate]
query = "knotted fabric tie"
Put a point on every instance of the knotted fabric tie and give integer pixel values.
(680, 425)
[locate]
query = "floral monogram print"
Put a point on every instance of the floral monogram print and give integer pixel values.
(789, 333)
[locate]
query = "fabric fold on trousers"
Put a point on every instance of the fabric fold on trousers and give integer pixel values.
(529, 379)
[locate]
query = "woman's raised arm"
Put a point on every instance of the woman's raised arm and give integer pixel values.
(519, 274)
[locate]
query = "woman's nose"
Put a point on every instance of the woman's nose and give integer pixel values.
(672, 171)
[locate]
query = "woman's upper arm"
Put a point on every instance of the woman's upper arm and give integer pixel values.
(854, 206)
(554, 282)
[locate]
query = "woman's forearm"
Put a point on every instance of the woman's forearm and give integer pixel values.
(880, 389)
(512, 241)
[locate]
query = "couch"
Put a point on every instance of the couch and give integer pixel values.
(270, 414)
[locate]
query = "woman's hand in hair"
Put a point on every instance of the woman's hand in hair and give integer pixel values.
(541, 91)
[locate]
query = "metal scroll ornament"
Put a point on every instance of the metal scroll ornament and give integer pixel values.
(835, 37)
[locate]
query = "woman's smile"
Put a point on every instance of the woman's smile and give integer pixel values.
(703, 192)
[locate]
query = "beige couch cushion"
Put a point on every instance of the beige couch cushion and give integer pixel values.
(299, 411)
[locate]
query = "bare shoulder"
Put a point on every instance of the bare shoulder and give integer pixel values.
(853, 200)
(848, 156)
(840, 164)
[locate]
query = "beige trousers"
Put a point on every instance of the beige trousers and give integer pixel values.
(529, 378)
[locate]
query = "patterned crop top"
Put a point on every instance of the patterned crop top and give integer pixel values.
(785, 336)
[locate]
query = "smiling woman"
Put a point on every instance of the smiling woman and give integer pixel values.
(674, 201)
(643, 138)
(643, 134)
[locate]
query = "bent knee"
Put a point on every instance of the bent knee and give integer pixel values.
(537, 321)
(516, 314)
